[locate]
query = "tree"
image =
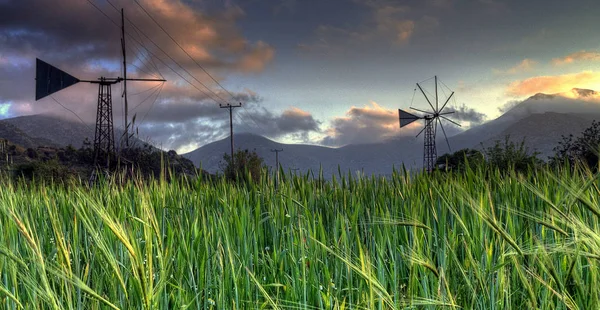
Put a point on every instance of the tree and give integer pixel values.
(511, 156)
(584, 149)
(247, 166)
(458, 160)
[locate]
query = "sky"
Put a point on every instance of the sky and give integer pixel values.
(325, 72)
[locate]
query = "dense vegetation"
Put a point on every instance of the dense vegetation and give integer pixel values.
(478, 239)
(491, 229)
(68, 164)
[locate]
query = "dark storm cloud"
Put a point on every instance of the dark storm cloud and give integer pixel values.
(189, 133)
(293, 121)
(76, 37)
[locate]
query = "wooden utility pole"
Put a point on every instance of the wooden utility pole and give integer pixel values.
(124, 76)
(276, 151)
(230, 107)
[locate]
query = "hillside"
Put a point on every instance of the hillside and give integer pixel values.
(17, 136)
(542, 118)
(542, 132)
(49, 130)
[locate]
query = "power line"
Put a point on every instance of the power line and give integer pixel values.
(146, 90)
(86, 125)
(194, 60)
(148, 97)
(173, 60)
(150, 52)
(152, 105)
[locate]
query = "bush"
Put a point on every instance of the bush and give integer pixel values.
(459, 160)
(247, 166)
(583, 150)
(511, 156)
(44, 171)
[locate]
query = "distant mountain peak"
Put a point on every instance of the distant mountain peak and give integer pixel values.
(584, 92)
(575, 93)
(542, 96)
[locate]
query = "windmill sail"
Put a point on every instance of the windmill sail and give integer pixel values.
(49, 79)
(406, 118)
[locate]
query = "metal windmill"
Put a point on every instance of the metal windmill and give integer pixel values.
(432, 119)
(50, 80)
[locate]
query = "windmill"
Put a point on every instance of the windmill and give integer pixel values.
(49, 80)
(432, 119)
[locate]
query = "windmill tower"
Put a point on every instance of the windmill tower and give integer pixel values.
(432, 119)
(50, 80)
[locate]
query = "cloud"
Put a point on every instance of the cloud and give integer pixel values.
(466, 114)
(578, 56)
(385, 21)
(524, 66)
(368, 124)
(75, 37)
(508, 105)
(554, 84)
(293, 122)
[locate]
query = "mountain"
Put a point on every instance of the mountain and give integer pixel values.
(542, 132)
(310, 157)
(17, 136)
(542, 119)
(49, 130)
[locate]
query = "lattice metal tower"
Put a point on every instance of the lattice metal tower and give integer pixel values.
(104, 138)
(432, 119)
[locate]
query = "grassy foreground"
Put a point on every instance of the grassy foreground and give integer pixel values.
(477, 240)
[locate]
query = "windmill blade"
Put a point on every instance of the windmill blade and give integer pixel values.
(420, 110)
(406, 118)
(427, 98)
(49, 79)
(451, 121)
(420, 132)
(446, 113)
(445, 136)
(447, 100)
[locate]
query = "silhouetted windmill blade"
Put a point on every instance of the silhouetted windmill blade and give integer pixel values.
(426, 112)
(432, 118)
(426, 98)
(406, 118)
(420, 132)
(447, 100)
(445, 136)
(451, 121)
(49, 79)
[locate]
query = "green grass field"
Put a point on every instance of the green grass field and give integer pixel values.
(477, 240)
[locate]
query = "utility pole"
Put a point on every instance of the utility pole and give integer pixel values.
(231, 107)
(276, 151)
(124, 75)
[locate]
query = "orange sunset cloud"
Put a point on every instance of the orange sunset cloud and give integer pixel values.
(554, 84)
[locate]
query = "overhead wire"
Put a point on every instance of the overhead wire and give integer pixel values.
(152, 105)
(150, 55)
(76, 115)
(149, 61)
(155, 89)
(145, 90)
(150, 52)
(171, 58)
(179, 45)
(197, 63)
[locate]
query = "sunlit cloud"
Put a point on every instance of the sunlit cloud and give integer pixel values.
(524, 66)
(575, 57)
(369, 124)
(554, 84)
